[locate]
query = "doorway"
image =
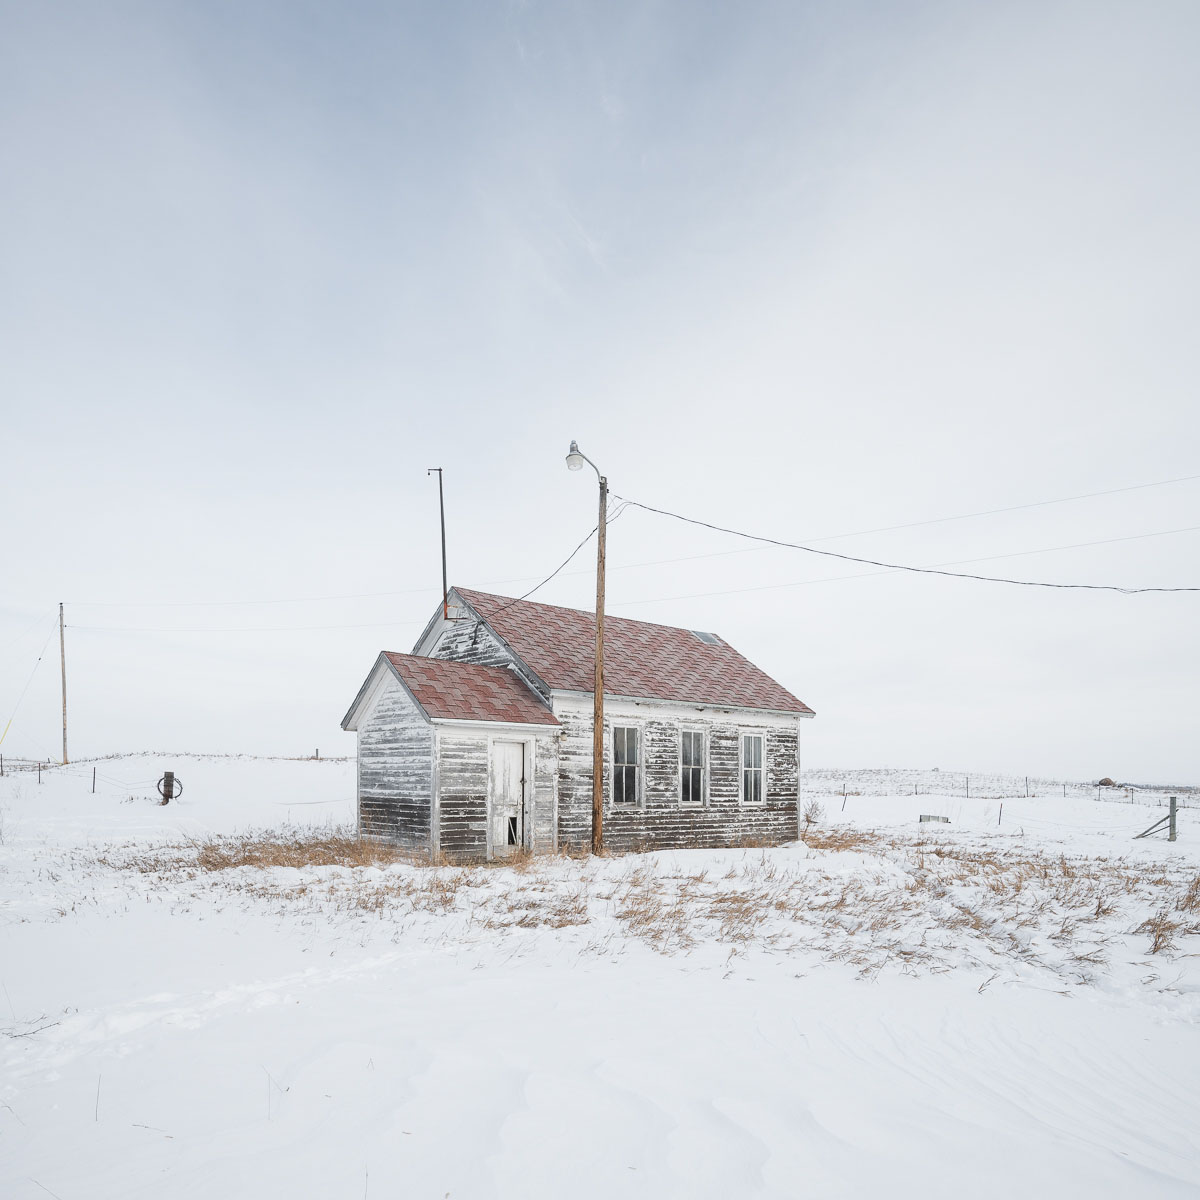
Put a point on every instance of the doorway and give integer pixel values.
(506, 803)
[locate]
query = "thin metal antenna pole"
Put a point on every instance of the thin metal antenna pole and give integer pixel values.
(442, 511)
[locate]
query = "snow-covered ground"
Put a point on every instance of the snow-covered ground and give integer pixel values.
(889, 1007)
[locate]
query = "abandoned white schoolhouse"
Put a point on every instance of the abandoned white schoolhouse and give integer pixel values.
(478, 744)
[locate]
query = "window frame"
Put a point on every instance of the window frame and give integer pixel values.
(761, 736)
(702, 734)
(639, 790)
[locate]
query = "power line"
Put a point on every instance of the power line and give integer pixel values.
(832, 537)
(37, 621)
(871, 562)
(990, 512)
(241, 628)
(41, 655)
(242, 603)
(771, 587)
(932, 568)
(308, 628)
(617, 513)
(835, 537)
(539, 586)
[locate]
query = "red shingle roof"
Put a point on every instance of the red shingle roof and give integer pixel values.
(466, 692)
(640, 659)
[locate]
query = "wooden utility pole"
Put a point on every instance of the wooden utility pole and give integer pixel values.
(575, 460)
(62, 650)
(598, 706)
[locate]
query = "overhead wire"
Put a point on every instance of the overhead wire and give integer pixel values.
(932, 568)
(11, 646)
(240, 628)
(891, 566)
(618, 511)
(615, 566)
(624, 503)
(771, 587)
(610, 519)
(41, 655)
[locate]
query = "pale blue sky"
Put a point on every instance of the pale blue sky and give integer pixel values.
(802, 269)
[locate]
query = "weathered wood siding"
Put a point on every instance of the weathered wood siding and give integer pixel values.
(661, 820)
(544, 823)
(395, 771)
(464, 782)
(462, 796)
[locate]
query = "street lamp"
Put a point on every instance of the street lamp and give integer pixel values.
(575, 461)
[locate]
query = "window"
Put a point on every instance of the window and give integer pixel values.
(709, 639)
(752, 768)
(625, 765)
(691, 766)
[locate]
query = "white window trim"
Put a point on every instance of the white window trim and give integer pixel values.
(639, 775)
(703, 801)
(743, 734)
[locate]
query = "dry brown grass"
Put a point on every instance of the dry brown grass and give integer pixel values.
(306, 849)
(261, 850)
(1162, 931)
(841, 838)
(1190, 900)
(913, 901)
(645, 910)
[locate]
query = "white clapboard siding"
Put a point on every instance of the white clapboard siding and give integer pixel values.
(660, 820)
(395, 770)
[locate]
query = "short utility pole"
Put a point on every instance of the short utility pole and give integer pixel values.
(575, 460)
(62, 650)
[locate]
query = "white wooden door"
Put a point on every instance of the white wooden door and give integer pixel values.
(507, 800)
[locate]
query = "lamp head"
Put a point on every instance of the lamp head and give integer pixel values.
(574, 458)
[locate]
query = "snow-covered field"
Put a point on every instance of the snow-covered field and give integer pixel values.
(1004, 1004)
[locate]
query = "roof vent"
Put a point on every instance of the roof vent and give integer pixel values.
(709, 639)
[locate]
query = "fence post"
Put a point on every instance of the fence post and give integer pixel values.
(39, 772)
(968, 782)
(93, 781)
(1171, 835)
(1001, 816)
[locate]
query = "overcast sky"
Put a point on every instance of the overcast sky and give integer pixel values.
(806, 270)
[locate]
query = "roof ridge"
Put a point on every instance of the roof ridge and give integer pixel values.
(556, 644)
(513, 601)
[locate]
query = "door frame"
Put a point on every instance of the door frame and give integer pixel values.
(528, 760)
